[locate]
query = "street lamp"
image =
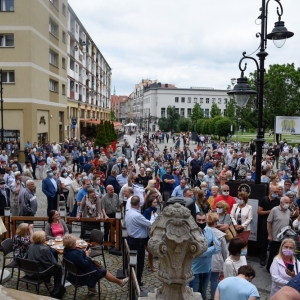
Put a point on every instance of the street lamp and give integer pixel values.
(242, 90)
(1, 100)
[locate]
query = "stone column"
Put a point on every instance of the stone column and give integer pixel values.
(176, 239)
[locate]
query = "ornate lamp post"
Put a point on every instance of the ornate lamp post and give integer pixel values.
(242, 90)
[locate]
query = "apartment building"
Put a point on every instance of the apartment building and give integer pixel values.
(55, 80)
(118, 107)
(32, 51)
(89, 79)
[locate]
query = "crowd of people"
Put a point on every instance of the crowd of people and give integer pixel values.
(142, 177)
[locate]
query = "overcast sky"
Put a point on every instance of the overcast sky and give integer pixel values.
(185, 42)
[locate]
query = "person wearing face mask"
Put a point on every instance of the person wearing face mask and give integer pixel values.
(201, 265)
(238, 250)
(241, 216)
(75, 187)
(264, 208)
(66, 182)
(226, 197)
(50, 187)
(278, 218)
(285, 266)
(209, 178)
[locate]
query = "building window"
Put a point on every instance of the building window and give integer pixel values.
(182, 99)
(53, 85)
(7, 40)
(207, 100)
(63, 89)
(195, 100)
(189, 111)
(189, 99)
(163, 112)
(54, 2)
(176, 99)
(63, 63)
(76, 68)
(182, 112)
(76, 26)
(7, 5)
(53, 58)
(206, 113)
(219, 100)
(64, 10)
(225, 100)
(53, 28)
(8, 76)
(76, 88)
(201, 100)
(213, 100)
(63, 36)
(72, 63)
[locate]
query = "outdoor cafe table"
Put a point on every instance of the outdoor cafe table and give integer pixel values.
(58, 244)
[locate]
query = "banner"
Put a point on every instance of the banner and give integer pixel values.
(287, 125)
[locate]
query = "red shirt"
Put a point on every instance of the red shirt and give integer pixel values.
(228, 199)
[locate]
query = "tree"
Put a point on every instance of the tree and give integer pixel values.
(197, 113)
(108, 131)
(230, 109)
(199, 126)
(184, 124)
(163, 124)
(205, 126)
(101, 139)
(215, 111)
(112, 116)
(281, 95)
(212, 124)
(222, 127)
(172, 118)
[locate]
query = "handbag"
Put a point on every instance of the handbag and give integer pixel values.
(230, 232)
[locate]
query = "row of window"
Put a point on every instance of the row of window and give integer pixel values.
(55, 4)
(201, 100)
(181, 111)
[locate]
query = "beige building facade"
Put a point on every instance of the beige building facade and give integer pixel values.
(53, 73)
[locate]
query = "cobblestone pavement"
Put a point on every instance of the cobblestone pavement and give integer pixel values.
(110, 291)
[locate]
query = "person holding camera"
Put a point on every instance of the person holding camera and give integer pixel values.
(241, 216)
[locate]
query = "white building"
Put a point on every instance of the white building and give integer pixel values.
(157, 97)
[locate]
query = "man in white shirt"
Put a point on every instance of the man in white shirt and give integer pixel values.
(55, 149)
(138, 189)
(138, 165)
(50, 160)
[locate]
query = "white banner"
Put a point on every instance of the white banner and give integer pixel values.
(253, 232)
(287, 125)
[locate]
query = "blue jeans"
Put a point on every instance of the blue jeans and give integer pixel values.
(200, 283)
(214, 276)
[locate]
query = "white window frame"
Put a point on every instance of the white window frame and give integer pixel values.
(53, 86)
(53, 58)
(54, 3)
(6, 76)
(53, 28)
(207, 100)
(64, 10)
(201, 100)
(3, 43)
(219, 100)
(189, 99)
(3, 6)
(176, 99)
(182, 99)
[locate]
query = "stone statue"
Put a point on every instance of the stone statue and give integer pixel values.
(176, 239)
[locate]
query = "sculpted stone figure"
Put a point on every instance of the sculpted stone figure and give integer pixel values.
(176, 239)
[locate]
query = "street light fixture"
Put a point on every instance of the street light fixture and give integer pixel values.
(242, 90)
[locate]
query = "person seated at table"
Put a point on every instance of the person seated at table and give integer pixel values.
(39, 252)
(22, 240)
(55, 226)
(84, 264)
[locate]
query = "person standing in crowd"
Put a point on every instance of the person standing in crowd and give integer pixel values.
(33, 161)
(241, 216)
(168, 181)
(16, 190)
(284, 266)
(137, 228)
(137, 188)
(195, 166)
(278, 218)
(201, 265)
(226, 197)
(51, 187)
(4, 197)
(238, 287)
(29, 200)
(110, 204)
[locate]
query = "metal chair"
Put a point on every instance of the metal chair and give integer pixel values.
(32, 267)
(72, 270)
(97, 237)
(7, 247)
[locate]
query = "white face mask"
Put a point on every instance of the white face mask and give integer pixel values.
(249, 177)
(225, 193)
(240, 201)
(219, 210)
(286, 206)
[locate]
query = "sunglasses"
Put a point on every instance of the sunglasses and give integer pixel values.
(225, 191)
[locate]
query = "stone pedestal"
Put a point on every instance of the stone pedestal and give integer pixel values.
(155, 296)
(176, 240)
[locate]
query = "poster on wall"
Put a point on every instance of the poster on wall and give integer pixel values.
(253, 231)
(289, 125)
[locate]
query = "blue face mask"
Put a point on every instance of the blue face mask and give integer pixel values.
(50, 174)
(65, 174)
(296, 182)
(244, 252)
(274, 195)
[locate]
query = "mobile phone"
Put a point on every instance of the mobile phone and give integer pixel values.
(290, 267)
(87, 247)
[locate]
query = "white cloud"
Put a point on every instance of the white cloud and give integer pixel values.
(185, 42)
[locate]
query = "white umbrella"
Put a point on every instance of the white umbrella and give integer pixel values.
(130, 125)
